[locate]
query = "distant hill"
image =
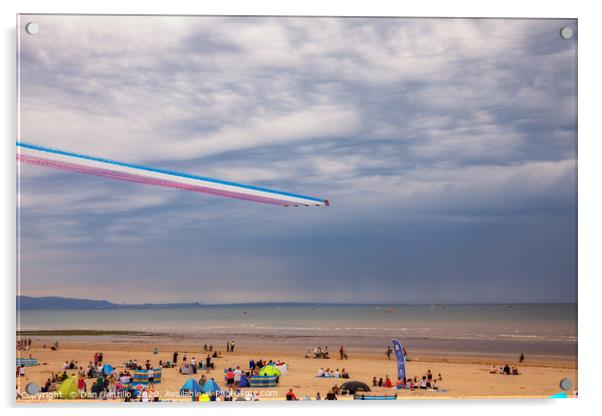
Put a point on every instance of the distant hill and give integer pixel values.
(55, 302)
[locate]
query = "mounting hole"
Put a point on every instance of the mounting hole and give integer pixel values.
(32, 389)
(32, 28)
(566, 384)
(566, 32)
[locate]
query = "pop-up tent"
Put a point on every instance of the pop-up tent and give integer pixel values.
(187, 369)
(244, 381)
(191, 387)
(283, 368)
(107, 369)
(270, 370)
(210, 386)
(354, 386)
(68, 388)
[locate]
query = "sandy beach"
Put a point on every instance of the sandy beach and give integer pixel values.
(465, 376)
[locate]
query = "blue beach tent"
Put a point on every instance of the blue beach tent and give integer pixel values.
(210, 386)
(191, 387)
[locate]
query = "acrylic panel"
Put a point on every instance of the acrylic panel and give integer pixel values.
(219, 208)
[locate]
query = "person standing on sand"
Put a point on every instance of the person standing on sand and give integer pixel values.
(388, 352)
(521, 358)
(175, 358)
(228, 346)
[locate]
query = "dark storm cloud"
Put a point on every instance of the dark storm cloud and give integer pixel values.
(447, 146)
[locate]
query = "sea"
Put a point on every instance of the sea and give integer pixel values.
(543, 330)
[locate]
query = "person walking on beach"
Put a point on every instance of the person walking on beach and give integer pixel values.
(341, 353)
(231, 346)
(388, 352)
(175, 358)
(521, 358)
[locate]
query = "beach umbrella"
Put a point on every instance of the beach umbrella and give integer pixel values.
(355, 386)
(210, 386)
(68, 388)
(270, 370)
(191, 386)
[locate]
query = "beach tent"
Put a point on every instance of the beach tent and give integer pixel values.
(68, 388)
(244, 381)
(354, 386)
(270, 370)
(263, 381)
(283, 368)
(187, 369)
(210, 386)
(190, 387)
(107, 369)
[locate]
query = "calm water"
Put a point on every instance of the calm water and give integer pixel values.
(542, 329)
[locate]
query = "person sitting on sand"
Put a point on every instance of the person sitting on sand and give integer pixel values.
(507, 369)
(291, 395)
(307, 354)
(337, 374)
(493, 370)
(321, 372)
(374, 382)
(514, 371)
(439, 378)
(331, 395)
(388, 382)
(380, 382)
(318, 397)
(399, 384)
(344, 374)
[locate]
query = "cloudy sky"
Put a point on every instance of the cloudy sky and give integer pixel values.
(447, 149)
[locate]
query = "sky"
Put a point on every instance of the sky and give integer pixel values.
(447, 148)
